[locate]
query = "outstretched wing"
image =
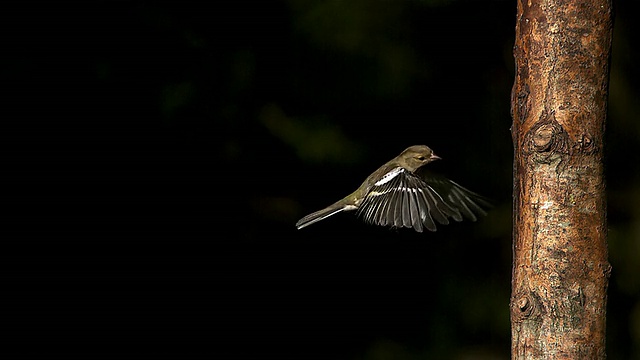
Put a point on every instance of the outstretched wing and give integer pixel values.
(402, 199)
(468, 203)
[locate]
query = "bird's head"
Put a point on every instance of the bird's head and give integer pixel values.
(416, 156)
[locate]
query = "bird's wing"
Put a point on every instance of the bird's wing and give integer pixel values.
(402, 199)
(467, 202)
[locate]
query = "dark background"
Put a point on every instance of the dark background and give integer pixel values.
(160, 154)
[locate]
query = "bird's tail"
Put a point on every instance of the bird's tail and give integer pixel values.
(321, 214)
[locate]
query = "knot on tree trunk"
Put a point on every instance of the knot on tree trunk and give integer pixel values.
(524, 306)
(585, 144)
(546, 139)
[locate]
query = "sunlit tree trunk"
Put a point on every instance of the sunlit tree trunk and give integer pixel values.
(560, 270)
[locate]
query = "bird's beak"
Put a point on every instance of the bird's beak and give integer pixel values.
(435, 157)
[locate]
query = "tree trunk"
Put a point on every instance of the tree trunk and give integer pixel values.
(559, 104)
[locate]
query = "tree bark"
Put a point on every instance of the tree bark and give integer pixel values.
(558, 104)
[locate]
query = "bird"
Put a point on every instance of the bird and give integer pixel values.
(402, 194)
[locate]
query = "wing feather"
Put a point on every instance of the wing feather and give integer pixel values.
(454, 196)
(439, 208)
(406, 207)
(397, 213)
(425, 214)
(416, 220)
(405, 199)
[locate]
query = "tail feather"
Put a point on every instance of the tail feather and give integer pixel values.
(321, 215)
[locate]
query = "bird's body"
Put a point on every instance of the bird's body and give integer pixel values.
(400, 194)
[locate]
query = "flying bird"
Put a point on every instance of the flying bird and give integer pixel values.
(402, 194)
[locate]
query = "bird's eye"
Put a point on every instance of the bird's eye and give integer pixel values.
(421, 158)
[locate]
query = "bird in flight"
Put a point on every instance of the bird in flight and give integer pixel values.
(402, 194)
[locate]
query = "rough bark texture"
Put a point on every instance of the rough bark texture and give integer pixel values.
(560, 271)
